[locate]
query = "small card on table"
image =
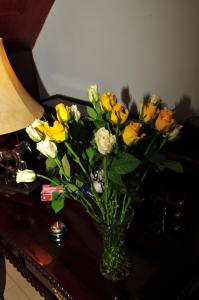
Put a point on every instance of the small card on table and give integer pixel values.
(47, 190)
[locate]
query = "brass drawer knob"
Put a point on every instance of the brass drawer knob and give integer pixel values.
(180, 202)
(178, 215)
(58, 295)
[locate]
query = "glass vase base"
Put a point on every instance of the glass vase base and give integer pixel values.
(116, 272)
(116, 276)
(115, 263)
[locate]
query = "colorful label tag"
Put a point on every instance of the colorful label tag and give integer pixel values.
(47, 190)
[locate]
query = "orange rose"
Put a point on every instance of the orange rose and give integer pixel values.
(149, 111)
(131, 133)
(164, 120)
(119, 114)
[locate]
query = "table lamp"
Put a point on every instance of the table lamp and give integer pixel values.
(17, 108)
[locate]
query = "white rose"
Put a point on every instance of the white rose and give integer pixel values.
(47, 148)
(93, 94)
(105, 141)
(155, 99)
(34, 134)
(36, 123)
(172, 135)
(25, 176)
(75, 112)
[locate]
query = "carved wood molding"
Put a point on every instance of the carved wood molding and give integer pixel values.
(20, 260)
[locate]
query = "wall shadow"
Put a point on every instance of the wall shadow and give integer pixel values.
(184, 110)
(125, 96)
(43, 93)
(128, 101)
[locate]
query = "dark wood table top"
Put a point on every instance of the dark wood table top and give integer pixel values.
(75, 264)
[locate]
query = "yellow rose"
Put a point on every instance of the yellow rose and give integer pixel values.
(131, 133)
(149, 111)
(119, 114)
(63, 112)
(57, 132)
(164, 120)
(108, 100)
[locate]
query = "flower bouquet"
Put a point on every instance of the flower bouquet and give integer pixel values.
(102, 161)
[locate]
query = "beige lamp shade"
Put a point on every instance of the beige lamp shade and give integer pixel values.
(17, 108)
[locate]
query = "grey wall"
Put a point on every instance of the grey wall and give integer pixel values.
(148, 46)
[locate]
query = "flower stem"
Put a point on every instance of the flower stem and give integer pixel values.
(86, 204)
(106, 189)
(78, 161)
(61, 168)
(47, 178)
(142, 178)
(150, 145)
(88, 207)
(123, 209)
(142, 168)
(115, 207)
(163, 143)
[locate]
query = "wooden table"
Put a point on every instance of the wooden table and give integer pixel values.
(2, 275)
(71, 271)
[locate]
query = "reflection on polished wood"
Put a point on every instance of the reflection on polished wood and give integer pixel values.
(161, 268)
(2, 275)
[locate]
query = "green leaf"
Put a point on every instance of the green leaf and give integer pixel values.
(50, 164)
(116, 181)
(157, 158)
(125, 164)
(159, 167)
(57, 180)
(90, 153)
(55, 195)
(174, 166)
(101, 123)
(78, 183)
(80, 177)
(91, 112)
(57, 202)
(115, 187)
(71, 187)
(98, 108)
(133, 194)
(66, 165)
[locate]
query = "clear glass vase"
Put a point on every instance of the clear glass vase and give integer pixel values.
(115, 264)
